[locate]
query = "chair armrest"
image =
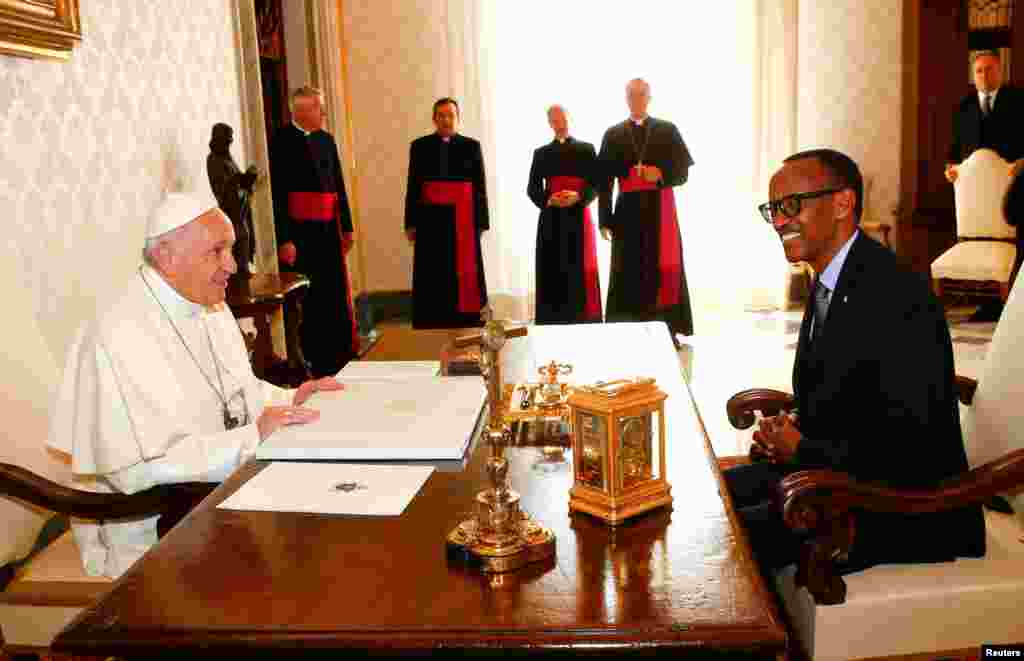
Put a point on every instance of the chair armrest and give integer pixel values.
(965, 387)
(24, 485)
(821, 502)
(742, 405)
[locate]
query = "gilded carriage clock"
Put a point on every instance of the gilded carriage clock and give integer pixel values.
(618, 447)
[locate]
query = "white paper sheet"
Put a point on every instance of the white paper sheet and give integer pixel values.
(360, 489)
(385, 419)
(390, 369)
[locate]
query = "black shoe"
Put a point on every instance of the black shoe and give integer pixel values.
(989, 311)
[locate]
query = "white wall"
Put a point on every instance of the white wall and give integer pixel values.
(851, 86)
(90, 144)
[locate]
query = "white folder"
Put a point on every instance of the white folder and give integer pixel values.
(419, 419)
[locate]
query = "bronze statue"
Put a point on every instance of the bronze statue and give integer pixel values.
(232, 188)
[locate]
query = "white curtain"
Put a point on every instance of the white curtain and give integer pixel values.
(723, 72)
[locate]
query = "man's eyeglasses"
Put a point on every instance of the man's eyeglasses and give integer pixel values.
(791, 204)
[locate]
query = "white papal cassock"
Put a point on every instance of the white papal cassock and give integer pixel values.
(134, 410)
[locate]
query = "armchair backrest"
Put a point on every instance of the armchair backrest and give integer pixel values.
(979, 189)
(29, 375)
(993, 424)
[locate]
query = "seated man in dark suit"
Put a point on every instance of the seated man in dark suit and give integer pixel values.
(873, 380)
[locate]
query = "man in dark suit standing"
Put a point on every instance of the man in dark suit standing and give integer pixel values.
(989, 117)
(883, 410)
(445, 214)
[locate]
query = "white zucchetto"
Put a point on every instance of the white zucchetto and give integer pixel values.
(177, 209)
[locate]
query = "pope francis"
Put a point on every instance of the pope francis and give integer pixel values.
(158, 387)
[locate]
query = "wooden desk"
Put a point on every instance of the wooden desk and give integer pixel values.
(260, 296)
(226, 582)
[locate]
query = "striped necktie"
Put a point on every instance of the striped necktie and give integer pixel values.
(821, 295)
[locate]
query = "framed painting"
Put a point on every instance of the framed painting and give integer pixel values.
(39, 28)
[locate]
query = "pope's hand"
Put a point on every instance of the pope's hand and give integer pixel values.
(325, 384)
(275, 417)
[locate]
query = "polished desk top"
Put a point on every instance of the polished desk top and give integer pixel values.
(229, 580)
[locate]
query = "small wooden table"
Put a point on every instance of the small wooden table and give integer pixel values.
(224, 583)
(259, 296)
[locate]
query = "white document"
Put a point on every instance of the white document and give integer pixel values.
(385, 419)
(359, 489)
(390, 369)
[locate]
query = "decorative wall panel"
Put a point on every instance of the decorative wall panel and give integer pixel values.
(89, 146)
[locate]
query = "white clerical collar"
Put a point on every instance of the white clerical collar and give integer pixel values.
(445, 138)
(304, 131)
(175, 304)
(562, 141)
(639, 122)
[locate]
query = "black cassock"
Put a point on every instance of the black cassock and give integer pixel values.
(568, 290)
(311, 210)
(647, 280)
(446, 203)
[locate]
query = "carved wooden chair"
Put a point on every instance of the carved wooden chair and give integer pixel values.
(981, 262)
(893, 610)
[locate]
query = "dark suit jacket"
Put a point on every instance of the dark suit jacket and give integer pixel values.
(1000, 131)
(876, 397)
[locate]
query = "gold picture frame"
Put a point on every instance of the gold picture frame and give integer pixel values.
(47, 29)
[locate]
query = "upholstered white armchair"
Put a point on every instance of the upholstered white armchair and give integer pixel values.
(949, 608)
(981, 262)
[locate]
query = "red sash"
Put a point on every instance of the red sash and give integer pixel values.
(670, 258)
(322, 208)
(316, 207)
(460, 195)
(592, 306)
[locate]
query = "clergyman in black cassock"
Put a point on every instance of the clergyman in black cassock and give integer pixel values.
(314, 231)
(445, 213)
(567, 288)
(647, 158)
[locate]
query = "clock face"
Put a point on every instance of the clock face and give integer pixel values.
(592, 433)
(634, 454)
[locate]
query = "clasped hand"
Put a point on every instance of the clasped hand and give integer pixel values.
(275, 417)
(563, 198)
(649, 173)
(777, 437)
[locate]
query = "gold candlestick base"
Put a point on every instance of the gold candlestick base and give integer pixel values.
(501, 537)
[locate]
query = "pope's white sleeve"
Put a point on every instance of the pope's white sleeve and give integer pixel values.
(193, 458)
(275, 396)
